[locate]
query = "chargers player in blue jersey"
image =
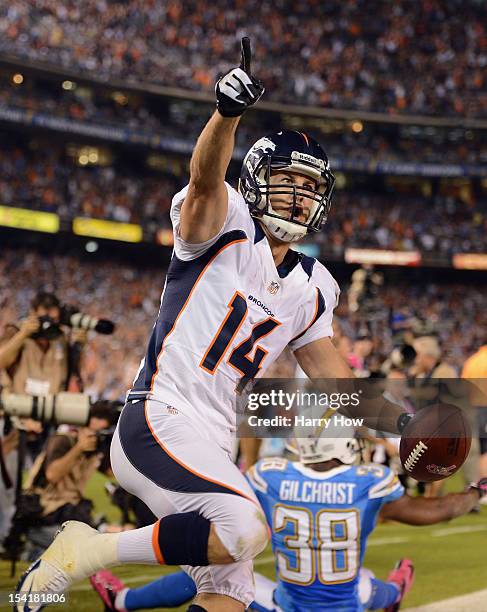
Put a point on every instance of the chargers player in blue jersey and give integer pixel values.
(321, 511)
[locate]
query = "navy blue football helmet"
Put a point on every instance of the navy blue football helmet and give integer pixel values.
(287, 151)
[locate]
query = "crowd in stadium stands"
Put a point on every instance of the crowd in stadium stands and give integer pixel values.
(130, 296)
(46, 180)
(71, 105)
(441, 224)
(42, 180)
(369, 145)
(415, 56)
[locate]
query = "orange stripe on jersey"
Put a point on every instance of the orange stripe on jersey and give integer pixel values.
(155, 543)
(174, 458)
(186, 303)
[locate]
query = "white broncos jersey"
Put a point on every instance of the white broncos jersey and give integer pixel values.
(226, 314)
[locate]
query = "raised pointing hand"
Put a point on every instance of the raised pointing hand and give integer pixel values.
(237, 90)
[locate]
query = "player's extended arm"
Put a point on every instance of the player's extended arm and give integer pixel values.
(249, 451)
(204, 209)
(321, 360)
(430, 510)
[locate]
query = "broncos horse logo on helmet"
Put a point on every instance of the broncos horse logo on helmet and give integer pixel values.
(287, 151)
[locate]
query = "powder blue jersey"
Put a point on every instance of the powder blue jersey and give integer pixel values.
(320, 523)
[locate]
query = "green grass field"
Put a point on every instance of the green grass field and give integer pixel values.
(450, 558)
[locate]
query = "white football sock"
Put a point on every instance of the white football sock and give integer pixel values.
(135, 546)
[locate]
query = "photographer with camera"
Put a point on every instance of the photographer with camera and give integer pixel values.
(56, 484)
(37, 359)
(35, 354)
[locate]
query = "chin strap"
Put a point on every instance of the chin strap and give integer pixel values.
(274, 226)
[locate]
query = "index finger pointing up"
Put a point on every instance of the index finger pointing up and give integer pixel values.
(246, 55)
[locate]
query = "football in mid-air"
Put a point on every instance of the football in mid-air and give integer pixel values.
(435, 443)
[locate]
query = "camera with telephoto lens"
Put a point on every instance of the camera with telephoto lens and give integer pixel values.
(62, 408)
(72, 317)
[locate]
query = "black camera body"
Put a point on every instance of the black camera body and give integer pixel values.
(49, 329)
(71, 317)
(104, 439)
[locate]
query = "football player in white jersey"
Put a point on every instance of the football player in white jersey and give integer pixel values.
(235, 296)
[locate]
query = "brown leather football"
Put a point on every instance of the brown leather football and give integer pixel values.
(435, 443)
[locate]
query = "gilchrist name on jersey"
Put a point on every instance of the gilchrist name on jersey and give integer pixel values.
(313, 492)
(220, 326)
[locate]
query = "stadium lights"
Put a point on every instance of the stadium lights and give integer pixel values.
(86, 155)
(18, 79)
(68, 85)
(357, 126)
(91, 246)
(120, 98)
